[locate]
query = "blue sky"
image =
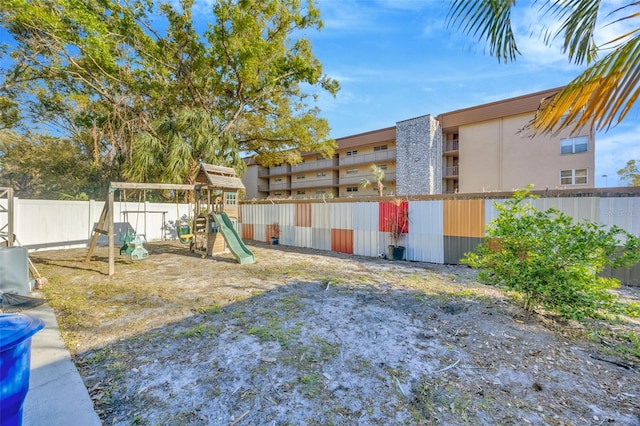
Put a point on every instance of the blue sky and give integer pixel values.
(396, 59)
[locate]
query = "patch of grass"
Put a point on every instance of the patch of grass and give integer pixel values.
(200, 330)
(275, 332)
(311, 384)
(208, 309)
(435, 399)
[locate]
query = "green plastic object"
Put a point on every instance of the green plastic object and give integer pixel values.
(139, 252)
(242, 254)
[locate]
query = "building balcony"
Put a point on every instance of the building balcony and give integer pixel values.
(274, 171)
(263, 188)
(450, 172)
(355, 179)
(370, 158)
(280, 186)
(451, 145)
(314, 183)
(324, 164)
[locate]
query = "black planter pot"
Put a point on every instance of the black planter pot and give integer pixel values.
(275, 241)
(396, 253)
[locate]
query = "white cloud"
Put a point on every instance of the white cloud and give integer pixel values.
(614, 149)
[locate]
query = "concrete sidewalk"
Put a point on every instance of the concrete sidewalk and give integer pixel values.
(57, 396)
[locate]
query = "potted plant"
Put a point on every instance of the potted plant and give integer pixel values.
(398, 226)
(275, 234)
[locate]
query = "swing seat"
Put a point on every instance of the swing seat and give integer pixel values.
(184, 234)
(126, 238)
(139, 252)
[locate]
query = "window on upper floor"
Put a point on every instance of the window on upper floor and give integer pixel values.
(277, 194)
(277, 180)
(352, 171)
(381, 166)
(573, 177)
(380, 148)
(349, 153)
(352, 189)
(574, 145)
(301, 192)
(300, 177)
(320, 191)
(321, 174)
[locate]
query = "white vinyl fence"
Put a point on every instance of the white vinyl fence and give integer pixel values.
(56, 224)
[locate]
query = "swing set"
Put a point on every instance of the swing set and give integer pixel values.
(210, 231)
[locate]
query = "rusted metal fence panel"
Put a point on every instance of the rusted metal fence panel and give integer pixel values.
(342, 240)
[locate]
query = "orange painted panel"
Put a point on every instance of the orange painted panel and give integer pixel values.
(463, 218)
(390, 212)
(272, 231)
(303, 215)
(247, 231)
(342, 240)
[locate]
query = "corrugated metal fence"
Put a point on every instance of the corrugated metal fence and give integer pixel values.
(441, 229)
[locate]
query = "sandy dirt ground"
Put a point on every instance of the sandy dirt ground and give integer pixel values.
(305, 337)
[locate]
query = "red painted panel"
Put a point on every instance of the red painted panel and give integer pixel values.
(392, 211)
(342, 240)
(303, 215)
(247, 231)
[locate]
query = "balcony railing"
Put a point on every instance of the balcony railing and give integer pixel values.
(450, 171)
(314, 183)
(451, 145)
(355, 179)
(274, 171)
(327, 163)
(263, 188)
(280, 186)
(373, 157)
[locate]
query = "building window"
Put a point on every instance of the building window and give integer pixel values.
(574, 145)
(379, 148)
(349, 153)
(300, 177)
(277, 180)
(352, 189)
(573, 177)
(230, 198)
(352, 171)
(320, 191)
(321, 174)
(277, 194)
(381, 166)
(301, 192)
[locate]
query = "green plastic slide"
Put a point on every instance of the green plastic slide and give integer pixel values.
(240, 251)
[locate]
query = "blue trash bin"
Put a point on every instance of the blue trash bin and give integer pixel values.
(15, 359)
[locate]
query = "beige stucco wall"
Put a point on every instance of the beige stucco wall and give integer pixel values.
(250, 181)
(495, 156)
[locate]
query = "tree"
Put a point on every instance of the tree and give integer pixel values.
(630, 173)
(121, 72)
(38, 166)
(377, 177)
(550, 259)
(604, 93)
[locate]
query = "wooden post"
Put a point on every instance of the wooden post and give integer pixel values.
(111, 231)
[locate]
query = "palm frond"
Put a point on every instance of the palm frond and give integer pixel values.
(488, 20)
(600, 97)
(578, 19)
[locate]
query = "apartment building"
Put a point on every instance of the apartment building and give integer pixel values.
(477, 149)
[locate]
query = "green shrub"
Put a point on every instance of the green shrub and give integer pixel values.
(553, 261)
